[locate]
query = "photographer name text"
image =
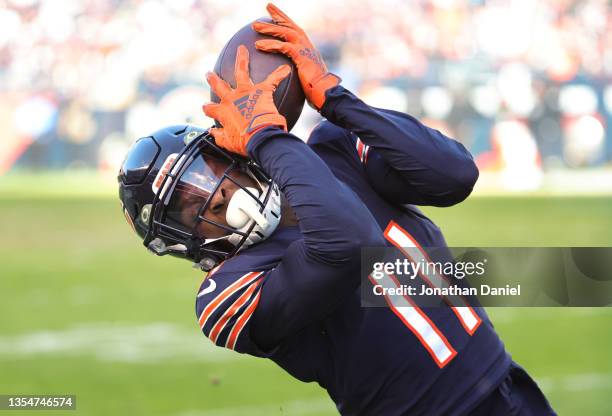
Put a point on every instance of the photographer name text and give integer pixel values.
(424, 290)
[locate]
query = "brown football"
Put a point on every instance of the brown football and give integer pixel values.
(288, 97)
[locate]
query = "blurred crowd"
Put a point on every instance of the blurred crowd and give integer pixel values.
(525, 85)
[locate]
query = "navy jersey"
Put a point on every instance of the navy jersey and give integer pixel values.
(295, 297)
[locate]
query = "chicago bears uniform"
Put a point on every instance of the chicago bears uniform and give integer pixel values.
(295, 297)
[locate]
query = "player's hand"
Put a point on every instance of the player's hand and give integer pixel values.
(313, 74)
(248, 108)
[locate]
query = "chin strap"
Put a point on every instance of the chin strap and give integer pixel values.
(243, 211)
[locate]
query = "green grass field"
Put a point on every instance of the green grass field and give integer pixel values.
(86, 311)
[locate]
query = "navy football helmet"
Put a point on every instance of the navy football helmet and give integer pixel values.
(167, 182)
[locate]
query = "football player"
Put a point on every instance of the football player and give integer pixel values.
(280, 225)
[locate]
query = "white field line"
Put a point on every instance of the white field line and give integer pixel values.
(293, 408)
(165, 341)
(576, 382)
(112, 342)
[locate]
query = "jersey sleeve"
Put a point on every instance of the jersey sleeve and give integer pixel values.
(405, 161)
(224, 307)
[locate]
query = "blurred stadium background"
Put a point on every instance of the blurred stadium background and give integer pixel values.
(526, 86)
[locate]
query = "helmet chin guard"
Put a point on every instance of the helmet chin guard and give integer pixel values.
(255, 216)
(243, 212)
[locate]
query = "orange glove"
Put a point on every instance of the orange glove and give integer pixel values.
(247, 109)
(313, 74)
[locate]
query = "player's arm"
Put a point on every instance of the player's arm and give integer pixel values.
(318, 271)
(410, 163)
(407, 162)
(257, 310)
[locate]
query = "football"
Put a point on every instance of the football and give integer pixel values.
(288, 97)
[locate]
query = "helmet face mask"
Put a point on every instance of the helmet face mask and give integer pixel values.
(185, 217)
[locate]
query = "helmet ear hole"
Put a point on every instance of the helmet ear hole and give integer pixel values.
(145, 214)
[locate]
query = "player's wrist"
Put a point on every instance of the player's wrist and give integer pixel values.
(265, 135)
(261, 121)
(318, 88)
(334, 96)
